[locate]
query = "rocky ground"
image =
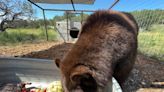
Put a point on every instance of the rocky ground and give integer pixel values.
(147, 75)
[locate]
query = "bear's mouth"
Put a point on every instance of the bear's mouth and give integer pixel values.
(86, 83)
(83, 80)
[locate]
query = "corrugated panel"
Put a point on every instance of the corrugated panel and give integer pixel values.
(64, 1)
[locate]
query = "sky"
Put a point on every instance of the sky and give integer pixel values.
(122, 5)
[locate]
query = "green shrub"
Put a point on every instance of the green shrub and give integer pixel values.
(14, 36)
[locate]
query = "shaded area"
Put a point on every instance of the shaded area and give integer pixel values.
(8, 87)
(145, 72)
(14, 71)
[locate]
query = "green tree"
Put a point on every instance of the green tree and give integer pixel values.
(69, 14)
(11, 10)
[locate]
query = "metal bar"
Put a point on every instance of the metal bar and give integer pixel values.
(60, 34)
(35, 4)
(45, 24)
(67, 27)
(69, 10)
(82, 21)
(76, 13)
(73, 5)
(82, 18)
(116, 1)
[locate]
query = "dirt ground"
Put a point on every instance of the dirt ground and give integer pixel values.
(147, 75)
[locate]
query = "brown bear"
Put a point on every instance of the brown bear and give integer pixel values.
(106, 47)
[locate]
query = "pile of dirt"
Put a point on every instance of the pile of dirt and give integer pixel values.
(147, 75)
(56, 51)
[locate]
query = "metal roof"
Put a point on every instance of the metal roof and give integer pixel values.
(64, 1)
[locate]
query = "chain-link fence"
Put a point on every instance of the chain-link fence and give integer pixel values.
(150, 18)
(151, 32)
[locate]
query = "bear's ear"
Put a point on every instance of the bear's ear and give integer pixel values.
(57, 62)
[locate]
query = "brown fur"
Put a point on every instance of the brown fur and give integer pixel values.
(106, 47)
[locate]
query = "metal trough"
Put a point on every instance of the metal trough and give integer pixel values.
(41, 71)
(16, 70)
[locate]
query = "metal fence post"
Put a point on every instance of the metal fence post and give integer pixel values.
(45, 24)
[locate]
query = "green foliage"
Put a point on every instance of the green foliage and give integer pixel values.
(72, 17)
(151, 43)
(14, 36)
(40, 22)
(79, 18)
(69, 15)
(59, 18)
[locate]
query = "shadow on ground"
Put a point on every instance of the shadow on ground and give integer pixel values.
(8, 83)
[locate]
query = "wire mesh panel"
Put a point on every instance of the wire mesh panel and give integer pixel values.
(151, 35)
(150, 18)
